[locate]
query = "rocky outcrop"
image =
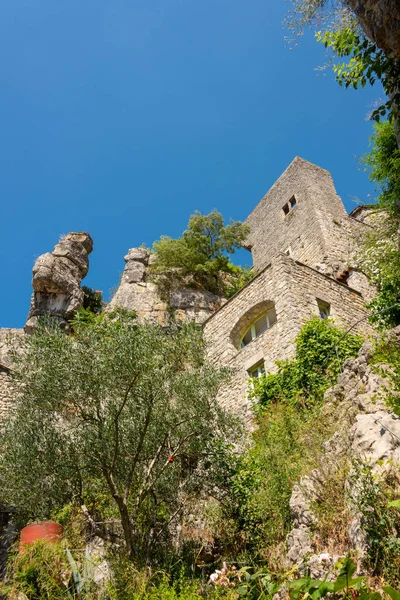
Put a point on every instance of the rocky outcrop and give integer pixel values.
(57, 277)
(137, 292)
(366, 432)
(380, 20)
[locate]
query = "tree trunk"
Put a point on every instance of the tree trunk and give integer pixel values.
(126, 526)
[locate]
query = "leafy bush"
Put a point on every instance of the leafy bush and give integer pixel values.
(201, 256)
(383, 163)
(321, 349)
(48, 570)
(37, 572)
(380, 259)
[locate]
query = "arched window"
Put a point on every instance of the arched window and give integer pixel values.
(258, 326)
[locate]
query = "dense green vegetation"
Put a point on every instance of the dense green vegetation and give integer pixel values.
(200, 257)
(121, 417)
(79, 424)
(287, 442)
(381, 256)
(321, 350)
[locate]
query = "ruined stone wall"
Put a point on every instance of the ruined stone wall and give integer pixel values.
(294, 289)
(10, 340)
(317, 231)
(7, 392)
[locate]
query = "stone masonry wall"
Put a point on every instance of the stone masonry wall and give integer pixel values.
(7, 392)
(317, 231)
(9, 342)
(293, 288)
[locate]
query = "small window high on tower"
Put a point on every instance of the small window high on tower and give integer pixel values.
(289, 206)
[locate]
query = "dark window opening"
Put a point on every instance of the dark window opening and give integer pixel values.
(324, 309)
(257, 371)
(289, 206)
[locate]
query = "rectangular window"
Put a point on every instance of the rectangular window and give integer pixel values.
(257, 371)
(289, 206)
(324, 309)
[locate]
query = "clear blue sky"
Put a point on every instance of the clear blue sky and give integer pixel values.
(121, 118)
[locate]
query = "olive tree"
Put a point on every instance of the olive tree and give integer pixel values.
(119, 416)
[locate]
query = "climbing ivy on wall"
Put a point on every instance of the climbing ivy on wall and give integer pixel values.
(321, 348)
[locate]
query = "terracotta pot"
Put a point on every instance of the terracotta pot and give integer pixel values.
(47, 530)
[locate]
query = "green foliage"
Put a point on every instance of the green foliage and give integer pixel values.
(380, 521)
(46, 570)
(287, 443)
(366, 64)
(36, 572)
(380, 261)
(130, 584)
(201, 255)
(387, 354)
(82, 580)
(121, 417)
(286, 446)
(262, 584)
(321, 349)
(331, 509)
(249, 583)
(341, 587)
(380, 258)
(92, 300)
(383, 164)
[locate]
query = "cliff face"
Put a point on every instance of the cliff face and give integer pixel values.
(57, 277)
(136, 292)
(380, 20)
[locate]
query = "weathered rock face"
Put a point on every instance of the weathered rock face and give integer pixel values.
(367, 432)
(56, 279)
(137, 293)
(380, 20)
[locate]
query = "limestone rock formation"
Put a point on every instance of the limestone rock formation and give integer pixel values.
(136, 292)
(56, 279)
